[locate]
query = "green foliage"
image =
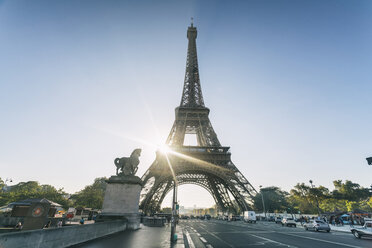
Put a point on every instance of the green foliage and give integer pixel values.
(166, 210)
(346, 196)
(92, 195)
(369, 202)
(2, 184)
(349, 191)
(32, 189)
(275, 199)
(351, 205)
(331, 205)
(302, 198)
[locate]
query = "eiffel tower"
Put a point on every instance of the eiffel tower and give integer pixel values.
(208, 164)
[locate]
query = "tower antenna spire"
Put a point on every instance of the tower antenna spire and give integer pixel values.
(192, 95)
(192, 21)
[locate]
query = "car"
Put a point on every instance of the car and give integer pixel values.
(365, 231)
(235, 218)
(278, 219)
(271, 218)
(288, 222)
(225, 217)
(207, 217)
(317, 225)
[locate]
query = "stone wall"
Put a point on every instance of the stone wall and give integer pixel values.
(61, 237)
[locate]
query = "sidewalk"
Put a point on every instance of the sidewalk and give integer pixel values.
(345, 228)
(145, 237)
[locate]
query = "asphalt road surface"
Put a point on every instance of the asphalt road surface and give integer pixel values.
(218, 233)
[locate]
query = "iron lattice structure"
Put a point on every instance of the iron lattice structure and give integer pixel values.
(208, 164)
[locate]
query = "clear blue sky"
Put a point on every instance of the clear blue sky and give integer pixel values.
(288, 84)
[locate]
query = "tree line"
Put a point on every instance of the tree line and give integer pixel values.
(91, 196)
(302, 198)
(345, 197)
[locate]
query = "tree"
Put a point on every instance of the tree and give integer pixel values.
(2, 184)
(166, 210)
(301, 198)
(331, 205)
(32, 189)
(275, 199)
(346, 196)
(92, 195)
(349, 191)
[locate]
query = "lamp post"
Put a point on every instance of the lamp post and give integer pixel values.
(369, 160)
(263, 202)
(174, 210)
(316, 197)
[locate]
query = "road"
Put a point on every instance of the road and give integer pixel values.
(218, 233)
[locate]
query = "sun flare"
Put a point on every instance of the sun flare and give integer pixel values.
(164, 149)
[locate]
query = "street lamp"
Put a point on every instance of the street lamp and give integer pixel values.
(174, 210)
(316, 197)
(263, 202)
(369, 160)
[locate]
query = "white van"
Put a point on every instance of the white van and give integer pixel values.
(250, 216)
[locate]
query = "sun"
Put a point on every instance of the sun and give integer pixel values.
(164, 149)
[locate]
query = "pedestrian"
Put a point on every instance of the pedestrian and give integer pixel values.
(47, 225)
(59, 223)
(333, 220)
(82, 221)
(351, 222)
(19, 226)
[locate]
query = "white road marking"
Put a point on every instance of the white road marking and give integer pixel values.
(203, 239)
(322, 240)
(273, 241)
(242, 232)
(208, 246)
(189, 240)
(291, 233)
(223, 241)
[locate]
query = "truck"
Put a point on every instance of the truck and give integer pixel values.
(250, 216)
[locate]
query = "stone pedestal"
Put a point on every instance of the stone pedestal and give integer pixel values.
(122, 199)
